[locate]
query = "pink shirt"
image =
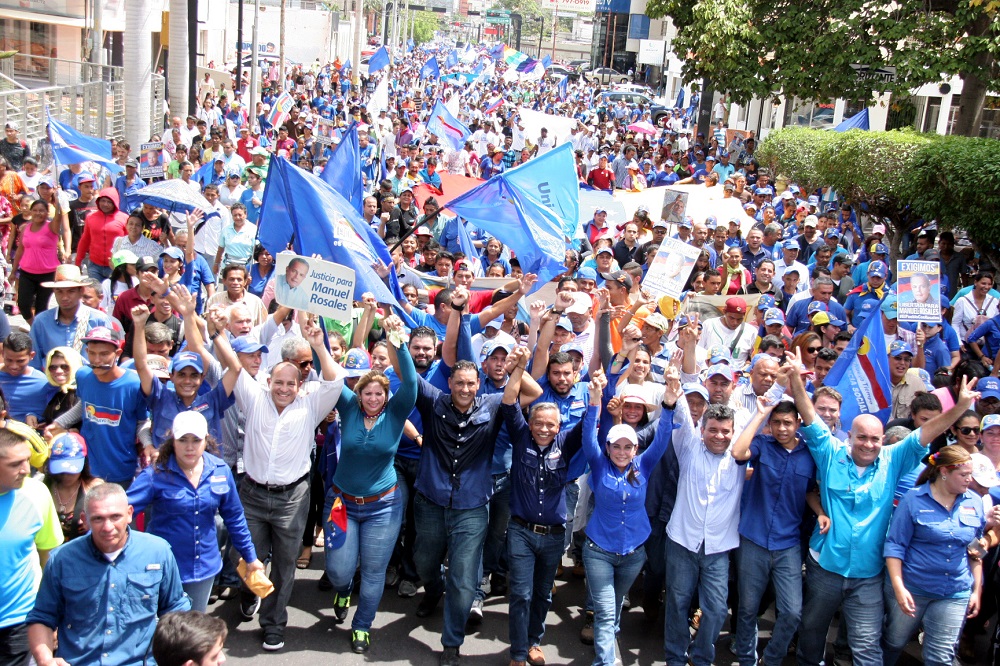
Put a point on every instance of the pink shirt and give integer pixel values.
(41, 250)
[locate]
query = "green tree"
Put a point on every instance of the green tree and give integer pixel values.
(424, 25)
(792, 152)
(955, 182)
(757, 48)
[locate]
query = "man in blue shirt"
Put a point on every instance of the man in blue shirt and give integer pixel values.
(26, 390)
(130, 576)
(871, 290)
(798, 316)
(66, 324)
(845, 565)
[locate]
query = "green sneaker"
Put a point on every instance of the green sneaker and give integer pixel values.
(360, 641)
(341, 603)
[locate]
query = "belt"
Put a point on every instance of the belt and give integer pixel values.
(364, 500)
(273, 488)
(539, 529)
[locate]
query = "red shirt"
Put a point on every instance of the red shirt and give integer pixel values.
(244, 146)
(602, 179)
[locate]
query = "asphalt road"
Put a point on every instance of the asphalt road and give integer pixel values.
(400, 637)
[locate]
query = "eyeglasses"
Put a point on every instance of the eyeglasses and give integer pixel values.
(58, 366)
(968, 430)
(813, 350)
(303, 364)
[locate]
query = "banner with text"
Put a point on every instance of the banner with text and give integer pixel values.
(918, 291)
(670, 268)
(314, 285)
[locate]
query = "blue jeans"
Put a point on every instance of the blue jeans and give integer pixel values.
(757, 566)
(860, 600)
(199, 591)
(531, 560)
(609, 577)
(371, 534)
(688, 572)
(460, 534)
(99, 272)
(402, 556)
(572, 498)
(942, 620)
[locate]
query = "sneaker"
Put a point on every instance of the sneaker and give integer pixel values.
(341, 604)
(273, 642)
(587, 633)
(535, 656)
(407, 589)
(391, 576)
(360, 641)
(427, 605)
(249, 608)
(449, 657)
(475, 616)
(484, 585)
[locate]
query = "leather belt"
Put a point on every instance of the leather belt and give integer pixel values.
(539, 529)
(364, 500)
(276, 488)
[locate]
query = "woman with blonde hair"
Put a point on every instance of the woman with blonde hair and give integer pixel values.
(364, 503)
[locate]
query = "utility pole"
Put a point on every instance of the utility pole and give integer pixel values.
(239, 46)
(555, 29)
(359, 32)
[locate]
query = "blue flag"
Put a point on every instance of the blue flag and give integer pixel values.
(468, 248)
(302, 209)
(346, 65)
(409, 45)
(527, 65)
(479, 68)
(547, 61)
(206, 174)
(451, 60)
(72, 147)
(679, 104)
(518, 207)
(497, 51)
(564, 87)
(379, 60)
(343, 171)
(430, 69)
(447, 127)
(861, 373)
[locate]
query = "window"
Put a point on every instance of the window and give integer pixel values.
(638, 26)
(804, 113)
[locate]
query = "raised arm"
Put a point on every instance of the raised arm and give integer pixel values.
(192, 219)
(591, 447)
(184, 303)
(405, 397)
(790, 373)
(140, 314)
(223, 351)
(449, 350)
(360, 337)
(741, 447)
(331, 371)
(940, 424)
(687, 341)
(520, 288)
(517, 360)
(535, 311)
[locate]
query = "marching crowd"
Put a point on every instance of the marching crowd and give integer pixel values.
(175, 437)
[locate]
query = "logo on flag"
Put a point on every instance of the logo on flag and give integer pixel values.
(447, 126)
(280, 109)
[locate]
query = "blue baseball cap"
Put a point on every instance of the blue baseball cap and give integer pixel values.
(923, 376)
(688, 222)
(817, 306)
(879, 248)
(989, 387)
(989, 421)
(831, 233)
(357, 363)
(766, 302)
(247, 345)
(186, 359)
(890, 307)
(587, 273)
(774, 316)
(945, 303)
(174, 253)
(760, 190)
(719, 354)
(711, 222)
(878, 269)
(493, 345)
(691, 387)
(573, 347)
(565, 323)
(720, 369)
(900, 347)
(68, 454)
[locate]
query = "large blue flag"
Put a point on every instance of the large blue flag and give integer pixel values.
(447, 127)
(468, 248)
(546, 61)
(72, 147)
(301, 209)
(379, 60)
(861, 373)
(430, 69)
(518, 207)
(409, 45)
(452, 59)
(343, 171)
(497, 51)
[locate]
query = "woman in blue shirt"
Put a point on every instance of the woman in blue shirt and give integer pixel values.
(613, 554)
(184, 488)
(371, 423)
(261, 271)
(935, 582)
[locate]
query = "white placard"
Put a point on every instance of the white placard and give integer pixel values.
(314, 285)
(670, 268)
(651, 52)
(569, 5)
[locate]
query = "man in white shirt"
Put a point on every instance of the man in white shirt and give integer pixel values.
(789, 259)
(701, 532)
(280, 427)
(206, 238)
(730, 331)
(545, 143)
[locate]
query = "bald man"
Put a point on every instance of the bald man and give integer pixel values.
(844, 567)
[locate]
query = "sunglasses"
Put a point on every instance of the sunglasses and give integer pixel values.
(813, 350)
(303, 364)
(968, 430)
(63, 366)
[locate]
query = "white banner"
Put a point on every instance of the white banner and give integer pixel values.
(314, 285)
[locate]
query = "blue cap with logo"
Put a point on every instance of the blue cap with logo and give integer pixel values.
(900, 347)
(878, 269)
(587, 273)
(357, 363)
(186, 359)
(692, 387)
(68, 453)
(247, 345)
(989, 387)
(719, 354)
(720, 369)
(774, 316)
(816, 306)
(890, 307)
(766, 302)
(989, 421)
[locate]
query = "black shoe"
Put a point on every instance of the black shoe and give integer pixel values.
(214, 596)
(360, 641)
(249, 607)
(341, 605)
(498, 584)
(587, 633)
(427, 606)
(273, 641)
(227, 592)
(449, 657)
(324, 584)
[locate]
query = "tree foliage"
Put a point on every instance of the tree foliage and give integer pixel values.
(424, 25)
(793, 152)
(759, 48)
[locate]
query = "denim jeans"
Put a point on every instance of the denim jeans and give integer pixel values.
(942, 620)
(496, 531)
(532, 560)
(371, 534)
(688, 572)
(459, 534)
(402, 556)
(99, 272)
(572, 497)
(758, 566)
(275, 520)
(860, 601)
(199, 591)
(609, 577)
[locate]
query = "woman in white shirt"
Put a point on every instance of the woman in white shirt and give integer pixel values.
(974, 308)
(231, 191)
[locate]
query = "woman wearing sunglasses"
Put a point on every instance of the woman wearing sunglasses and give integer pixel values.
(61, 365)
(808, 345)
(965, 432)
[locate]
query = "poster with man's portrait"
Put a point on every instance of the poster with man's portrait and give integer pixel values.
(151, 164)
(674, 206)
(918, 291)
(671, 267)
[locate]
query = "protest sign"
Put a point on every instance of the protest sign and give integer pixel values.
(314, 285)
(918, 291)
(325, 130)
(151, 165)
(670, 268)
(674, 206)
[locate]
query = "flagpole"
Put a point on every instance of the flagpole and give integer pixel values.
(414, 228)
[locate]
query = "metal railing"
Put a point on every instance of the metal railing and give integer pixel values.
(52, 72)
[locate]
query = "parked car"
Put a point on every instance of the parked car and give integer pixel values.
(656, 111)
(606, 75)
(557, 72)
(633, 87)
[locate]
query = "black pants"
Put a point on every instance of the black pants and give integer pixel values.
(14, 645)
(317, 494)
(32, 297)
(402, 556)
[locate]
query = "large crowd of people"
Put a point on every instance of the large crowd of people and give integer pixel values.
(176, 438)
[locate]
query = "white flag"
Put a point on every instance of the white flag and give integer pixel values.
(380, 98)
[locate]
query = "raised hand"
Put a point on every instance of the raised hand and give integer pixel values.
(536, 309)
(598, 381)
(527, 280)
(631, 338)
(182, 301)
(380, 269)
(140, 314)
(673, 390)
(459, 297)
(615, 407)
(564, 299)
(392, 324)
(966, 391)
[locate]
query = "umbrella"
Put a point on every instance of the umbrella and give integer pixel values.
(175, 196)
(643, 128)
